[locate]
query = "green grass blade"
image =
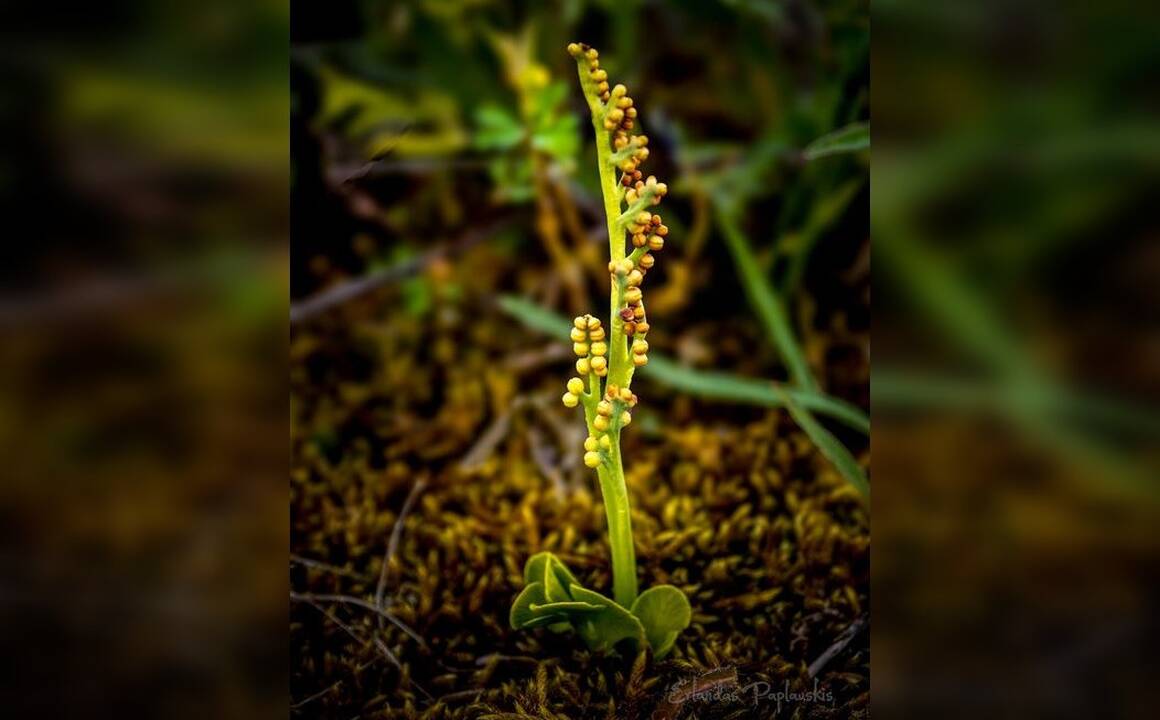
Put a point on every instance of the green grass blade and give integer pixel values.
(721, 386)
(765, 301)
(829, 446)
(535, 317)
(706, 384)
(825, 213)
(850, 139)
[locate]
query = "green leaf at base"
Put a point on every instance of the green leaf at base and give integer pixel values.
(565, 607)
(554, 599)
(664, 612)
(522, 615)
(548, 569)
(604, 629)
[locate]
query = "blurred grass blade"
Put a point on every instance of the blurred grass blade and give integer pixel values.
(908, 388)
(852, 138)
(535, 317)
(825, 212)
(764, 300)
(712, 385)
(833, 450)
(720, 386)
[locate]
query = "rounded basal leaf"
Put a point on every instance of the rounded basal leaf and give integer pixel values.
(603, 629)
(546, 568)
(563, 574)
(554, 589)
(534, 569)
(564, 608)
(522, 616)
(556, 623)
(664, 611)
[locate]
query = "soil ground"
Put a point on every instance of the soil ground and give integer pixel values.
(432, 441)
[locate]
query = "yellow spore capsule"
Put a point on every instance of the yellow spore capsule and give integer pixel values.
(578, 335)
(600, 423)
(599, 365)
(583, 367)
(592, 459)
(625, 418)
(580, 348)
(640, 347)
(576, 386)
(605, 442)
(640, 360)
(599, 348)
(591, 444)
(570, 400)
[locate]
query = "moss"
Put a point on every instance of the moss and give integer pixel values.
(770, 545)
(732, 504)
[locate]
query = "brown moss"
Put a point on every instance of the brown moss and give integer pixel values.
(770, 545)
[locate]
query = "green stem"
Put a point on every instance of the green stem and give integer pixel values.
(617, 343)
(616, 508)
(612, 485)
